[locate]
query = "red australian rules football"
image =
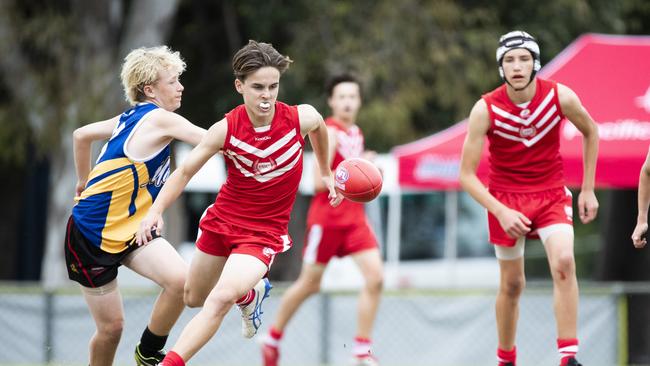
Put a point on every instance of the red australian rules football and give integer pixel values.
(358, 180)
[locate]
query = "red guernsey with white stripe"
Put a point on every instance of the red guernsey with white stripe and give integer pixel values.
(349, 144)
(524, 140)
(264, 169)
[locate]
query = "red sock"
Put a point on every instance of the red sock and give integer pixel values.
(246, 299)
(273, 340)
(173, 359)
(567, 349)
(504, 357)
(275, 334)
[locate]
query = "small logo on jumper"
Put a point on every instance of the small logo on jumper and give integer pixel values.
(524, 113)
(261, 167)
(268, 252)
(264, 138)
(161, 174)
(527, 131)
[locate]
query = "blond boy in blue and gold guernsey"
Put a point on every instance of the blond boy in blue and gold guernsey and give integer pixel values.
(120, 188)
(113, 197)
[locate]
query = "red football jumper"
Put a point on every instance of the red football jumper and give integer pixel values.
(525, 140)
(349, 144)
(264, 169)
(343, 230)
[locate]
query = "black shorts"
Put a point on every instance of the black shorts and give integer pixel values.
(88, 264)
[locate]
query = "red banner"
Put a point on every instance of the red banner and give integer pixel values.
(610, 74)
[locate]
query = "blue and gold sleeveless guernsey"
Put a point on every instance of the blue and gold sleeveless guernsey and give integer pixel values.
(120, 190)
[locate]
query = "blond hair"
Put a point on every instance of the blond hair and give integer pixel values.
(141, 67)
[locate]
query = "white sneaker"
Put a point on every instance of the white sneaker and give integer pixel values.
(251, 314)
(364, 361)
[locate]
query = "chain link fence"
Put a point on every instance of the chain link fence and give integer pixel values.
(443, 328)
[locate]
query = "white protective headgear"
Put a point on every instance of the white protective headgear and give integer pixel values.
(518, 39)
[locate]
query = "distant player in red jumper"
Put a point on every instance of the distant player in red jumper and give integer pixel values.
(526, 195)
(339, 231)
(245, 228)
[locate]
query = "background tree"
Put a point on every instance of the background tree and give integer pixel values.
(60, 69)
(423, 62)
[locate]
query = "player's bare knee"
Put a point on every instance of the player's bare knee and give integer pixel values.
(314, 286)
(309, 285)
(513, 287)
(375, 283)
(192, 298)
(111, 329)
(564, 263)
(220, 301)
(176, 285)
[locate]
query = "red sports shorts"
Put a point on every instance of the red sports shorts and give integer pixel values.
(544, 208)
(222, 239)
(323, 242)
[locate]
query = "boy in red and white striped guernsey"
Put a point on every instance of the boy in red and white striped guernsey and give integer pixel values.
(526, 196)
(245, 228)
(336, 232)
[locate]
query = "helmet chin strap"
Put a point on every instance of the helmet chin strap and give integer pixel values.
(503, 75)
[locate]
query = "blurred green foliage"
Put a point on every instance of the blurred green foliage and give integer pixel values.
(423, 63)
(51, 77)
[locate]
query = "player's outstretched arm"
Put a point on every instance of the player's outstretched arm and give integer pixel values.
(82, 139)
(514, 223)
(177, 127)
(311, 122)
(638, 236)
(211, 143)
(574, 111)
(319, 185)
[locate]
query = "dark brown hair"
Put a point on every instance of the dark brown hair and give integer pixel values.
(335, 80)
(256, 55)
